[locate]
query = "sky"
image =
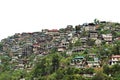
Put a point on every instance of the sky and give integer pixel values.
(17, 16)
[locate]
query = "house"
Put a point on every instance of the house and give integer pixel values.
(15, 48)
(115, 59)
(69, 28)
(70, 36)
(36, 46)
(78, 62)
(94, 63)
(84, 41)
(89, 75)
(44, 30)
(93, 35)
(107, 37)
(27, 50)
(20, 66)
(92, 55)
(63, 45)
(14, 59)
(53, 32)
(61, 48)
(69, 52)
(78, 49)
(89, 27)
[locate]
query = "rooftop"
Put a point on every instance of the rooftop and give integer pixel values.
(116, 56)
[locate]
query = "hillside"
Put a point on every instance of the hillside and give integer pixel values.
(90, 51)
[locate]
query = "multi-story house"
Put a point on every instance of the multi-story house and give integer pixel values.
(107, 37)
(84, 41)
(78, 62)
(93, 63)
(89, 27)
(115, 59)
(93, 35)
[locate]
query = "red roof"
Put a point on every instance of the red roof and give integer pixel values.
(116, 56)
(30, 33)
(53, 30)
(35, 44)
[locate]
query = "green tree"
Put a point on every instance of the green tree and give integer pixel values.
(96, 21)
(78, 43)
(107, 70)
(70, 45)
(78, 28)
(5, 76)
(101, 76)
(1, 46)
(89, 71)
(91, 42)
(55, 62)
(40, 68)
(116, 48)
(5, 62)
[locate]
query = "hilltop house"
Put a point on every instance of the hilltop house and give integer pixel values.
(69, 29)
(53, 32)
(89, 27)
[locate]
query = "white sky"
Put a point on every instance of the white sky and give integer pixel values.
(18, 16)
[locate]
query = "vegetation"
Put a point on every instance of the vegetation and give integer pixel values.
(35, 56)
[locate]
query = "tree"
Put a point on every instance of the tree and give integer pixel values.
(17, 74)
(116, 48)
(5, 76)
(90, 42)
(89, 71)
(96, 21)
(55, 62)
(53, 50)
(101, 76)
(1, 46)
(78, 28)
(39, 69)
(70, 45)
(115, 68)
(107, 70)
(5, 62)
(78, 43)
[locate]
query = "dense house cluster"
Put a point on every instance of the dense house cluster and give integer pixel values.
(20, 46)
(81, 62)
